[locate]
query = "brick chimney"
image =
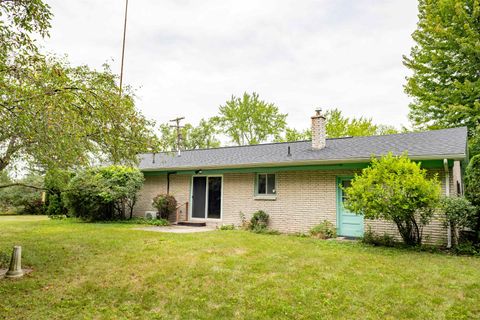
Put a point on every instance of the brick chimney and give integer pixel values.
(318, 130)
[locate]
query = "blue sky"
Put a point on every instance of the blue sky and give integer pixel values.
(186, 57)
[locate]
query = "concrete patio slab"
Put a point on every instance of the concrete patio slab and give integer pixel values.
(176, 229)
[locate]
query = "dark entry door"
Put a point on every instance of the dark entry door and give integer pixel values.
(207, 197)
(214, 197)
(199, 192)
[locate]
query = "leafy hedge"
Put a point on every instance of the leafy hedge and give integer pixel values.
(56, 181)
(104, 193)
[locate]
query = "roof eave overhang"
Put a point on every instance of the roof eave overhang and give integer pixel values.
(299, 163)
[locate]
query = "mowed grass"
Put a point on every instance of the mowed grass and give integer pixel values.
(109, 271)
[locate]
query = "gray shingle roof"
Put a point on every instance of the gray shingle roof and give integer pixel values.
(437, 144)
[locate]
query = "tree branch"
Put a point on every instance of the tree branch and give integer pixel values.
(21, 185)
(51, 92)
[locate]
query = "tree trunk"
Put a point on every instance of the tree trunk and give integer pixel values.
(11, 149)
(408, 232)
(131, 205)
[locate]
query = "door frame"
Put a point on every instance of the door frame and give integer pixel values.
(190, 207)
(338, 197)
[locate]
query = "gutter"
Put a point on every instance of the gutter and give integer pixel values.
(447, 193)
(302, 163)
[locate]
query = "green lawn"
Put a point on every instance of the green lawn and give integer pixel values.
(109, 271)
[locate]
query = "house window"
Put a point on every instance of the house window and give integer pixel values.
(266, 184)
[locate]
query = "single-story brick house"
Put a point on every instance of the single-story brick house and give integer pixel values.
(296, 183)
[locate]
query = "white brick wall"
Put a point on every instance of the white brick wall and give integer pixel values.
(179, 188)
(304, 199)
(152, 187)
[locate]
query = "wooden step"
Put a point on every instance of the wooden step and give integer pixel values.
(191, 224)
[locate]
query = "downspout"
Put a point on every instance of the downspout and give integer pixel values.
(168, 182)
(447, 193)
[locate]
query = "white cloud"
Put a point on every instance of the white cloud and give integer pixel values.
(188, 57)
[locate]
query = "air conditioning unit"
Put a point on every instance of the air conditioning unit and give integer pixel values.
(150, 215)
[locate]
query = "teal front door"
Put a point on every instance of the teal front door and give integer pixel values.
(348, 224)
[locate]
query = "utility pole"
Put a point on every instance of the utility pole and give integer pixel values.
(123, 46)
(179, 133)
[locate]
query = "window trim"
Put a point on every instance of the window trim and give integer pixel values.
(264, 196)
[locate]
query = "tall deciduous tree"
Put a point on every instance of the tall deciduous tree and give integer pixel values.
(21, 19)
(338, 125)
(249, 120)
(292, 134)
(472, 188)
(445, 62)
(53, 114)
(203, 136)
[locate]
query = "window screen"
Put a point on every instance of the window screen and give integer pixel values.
(266, 184)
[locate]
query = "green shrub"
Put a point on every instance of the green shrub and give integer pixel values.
(165, 204)
(395, 189)
(257, 224)
(102, 194)
(385, 240)
(259, 221)
(467, 248)
(459, 214)
(56, 181)
(227, 227)
(459, 211)
(34, 206)
(324, 230)
(55, 205)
